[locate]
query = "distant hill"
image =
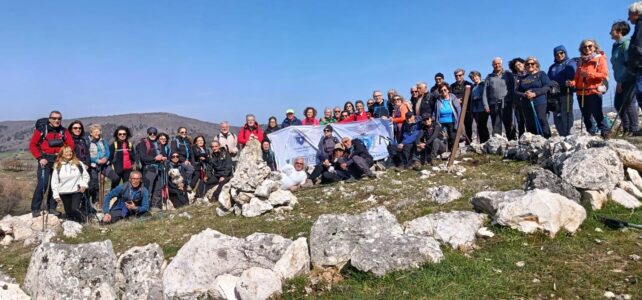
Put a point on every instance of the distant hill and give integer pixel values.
(15, 135)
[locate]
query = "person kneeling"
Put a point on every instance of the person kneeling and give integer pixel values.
(359, 159)
(432, 142)
(338, 169)
(132, 200)
(410, 134)
(177, 173)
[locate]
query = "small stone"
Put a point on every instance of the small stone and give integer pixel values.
(520, 264)
(598, 229)
(609, 295)
(485, 232)
(609, 252)
(597, 241)
(634, 257)
(498, 271)
(535, 280)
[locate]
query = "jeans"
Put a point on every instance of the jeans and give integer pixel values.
(44, 184)
(563, 117)
(152, 181)
(627, 108)
(593, 108)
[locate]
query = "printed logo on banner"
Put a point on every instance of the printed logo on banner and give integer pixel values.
(300, 139)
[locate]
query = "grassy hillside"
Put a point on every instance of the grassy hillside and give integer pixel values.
(568, 267)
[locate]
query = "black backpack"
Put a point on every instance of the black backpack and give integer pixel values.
(42, 125)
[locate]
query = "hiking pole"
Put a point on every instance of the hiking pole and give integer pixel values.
(460, 127)
(568, 99)
(101, 189)
(45, 213)
(616, 224)
(538, 126)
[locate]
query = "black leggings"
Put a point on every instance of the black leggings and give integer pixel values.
(71, 203)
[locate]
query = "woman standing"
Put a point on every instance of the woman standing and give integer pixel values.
(310, 117)
(163, 144)
(69, 180)
(199, 160)
(272, 126)
(478, 107)
(327, 118)
(591, 72)
(349, 107)
(398, 115)
(447, 111)
(361, 114)
(517, 66)
(122, 155)
(532, 88)
(81, 145)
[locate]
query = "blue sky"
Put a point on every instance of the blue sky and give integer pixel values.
(218, 60)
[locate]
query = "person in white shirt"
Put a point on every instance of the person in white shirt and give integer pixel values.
(69, 180)
(294, 176)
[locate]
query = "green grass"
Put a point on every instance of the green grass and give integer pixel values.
(566, 266)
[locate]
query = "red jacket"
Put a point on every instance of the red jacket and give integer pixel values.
(246, 131)
(44, 149)
(361, 116)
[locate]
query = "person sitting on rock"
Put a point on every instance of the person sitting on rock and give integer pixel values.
(324, 153)
(268, 154)
(406, 148)
(358, 158)
(177, 180)
(219, 169)
(294, 176)
(132, 200)
(338, 169)
(431, 143)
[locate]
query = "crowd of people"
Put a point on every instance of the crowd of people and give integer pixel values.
(73, 164)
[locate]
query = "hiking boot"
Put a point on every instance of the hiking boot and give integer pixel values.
(416, 165)
(55, 212)
(637, 133)
(606, 135)
(35, 213)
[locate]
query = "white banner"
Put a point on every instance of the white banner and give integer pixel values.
(295, 141)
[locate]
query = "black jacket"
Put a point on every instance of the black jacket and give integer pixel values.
(181, 169)
(635, 49)
(182, 146)
(427, 105)
(81, 148)
(326, 147)
(429, 134)
(116, 150)
(220, 164)
(147, 151)
(359, 149)
(268, 157)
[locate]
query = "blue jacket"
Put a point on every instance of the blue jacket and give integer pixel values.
(620, 59)
(125, 192)
(562, 71)
(286, 122)
(410, 133)
(538, 83)
(477, 103)
(102, 151)
(455, 105)
(380, 110)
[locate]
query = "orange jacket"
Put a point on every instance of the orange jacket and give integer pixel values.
(403, 109)
(597, 71)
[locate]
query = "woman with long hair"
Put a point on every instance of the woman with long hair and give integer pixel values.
(69, 181)
(122, 155)
(310, 116)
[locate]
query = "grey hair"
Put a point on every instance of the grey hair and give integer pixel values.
(459, 70)
(421, 83)
(596, 46)
(392, 91)
(636, 8)
(498, 58)
(226, 123)
(327, 108)
(250, 115)
(377, 91)
(299, 158)
(93, 127)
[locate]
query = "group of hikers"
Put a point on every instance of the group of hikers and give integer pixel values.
(73, 162)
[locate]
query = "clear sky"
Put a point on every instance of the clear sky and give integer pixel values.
(218, 60)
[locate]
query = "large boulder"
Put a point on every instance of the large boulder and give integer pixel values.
(258, 284)
(539, 178)
(495, 145)
(443, 194)
(256, 207)
(295, 261)
(455, 228)
(141, 267)
(488, 201)
(63, 271)
(334, 237)
(282, 197)
(210, 254)
(251, 169)
(593, 169)
(541, 210)
(628, 153)
(625, 199)
(389, 253)
(26, 228)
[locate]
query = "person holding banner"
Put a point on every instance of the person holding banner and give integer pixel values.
(310, 117)
(327, 118)
(360, 114)
(359, 159)
(290, 119)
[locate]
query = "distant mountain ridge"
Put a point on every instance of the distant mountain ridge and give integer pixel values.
(15, 135)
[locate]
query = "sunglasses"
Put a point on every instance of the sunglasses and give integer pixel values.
(122, 134)
(459, 75)
(76, 127)
(587, 46)
(55, 119)
(174, 156)
(530, 64)
(326, 130)
(183, 132)
(151, 133)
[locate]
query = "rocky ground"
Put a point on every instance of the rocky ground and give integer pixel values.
(488, 231)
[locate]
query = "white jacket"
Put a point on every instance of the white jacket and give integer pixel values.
(291, 177)
(68, 180)
(230, 143)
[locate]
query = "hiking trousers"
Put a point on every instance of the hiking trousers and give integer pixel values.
(44, 184)
(152, 181)
(563, 118)
(593, 108)
(71, 202)
(628, 114)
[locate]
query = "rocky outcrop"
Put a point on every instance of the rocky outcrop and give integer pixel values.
(295, 260)
(141, 268)
(27, 228)
(456, 228)
(9, 289)
(257, 284)
(593, 169)
(443, 194)
(72, 271)
(539, 178)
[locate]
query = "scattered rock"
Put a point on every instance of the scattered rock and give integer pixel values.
(141, 267)
(609, 295)
(258, 284)
(224, 286)
(634, 257)
(634, 176)
(593, 169)
(71, 229)
(443, 194)
(266, 188)
(455, 228)
(282, 197)
(539, 178)
(520, 264)
(488, 201)
(597, 199)
(630, 188)
(185, 215)
(625, 199)
(541, 209)
(485, 233)
(495, 145)
(628, 153)
(71, 271)
(255, 208)
(295, 261)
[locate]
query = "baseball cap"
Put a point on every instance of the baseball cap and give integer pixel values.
(289, 111)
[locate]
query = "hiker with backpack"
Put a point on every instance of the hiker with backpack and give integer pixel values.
(499, 86)
(324, 153)
(625, 89)
(229, 141)
(182, 145)
(199, 161)
(589, 79)
(99, 163)
(122, 155)
(561, 71)
(81, 142)
(69, 181)
(48, 138)
(458, 89)
(516, 66)
(152, 164)
(532, 89)
(478, 107)
(447, 112)
(132, 199)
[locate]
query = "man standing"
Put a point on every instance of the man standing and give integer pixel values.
(425, 102)
(152, 162)
(380, 108)
(625, 88)
(562, 70)
(290, 119)
(48, 137)
(635, 48)
(228, 140)
(458, 88)
(439, 79)
(499, 86)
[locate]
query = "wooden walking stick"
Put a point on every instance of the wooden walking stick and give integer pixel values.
(568, 100)
(101, 189)
(460, 128)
